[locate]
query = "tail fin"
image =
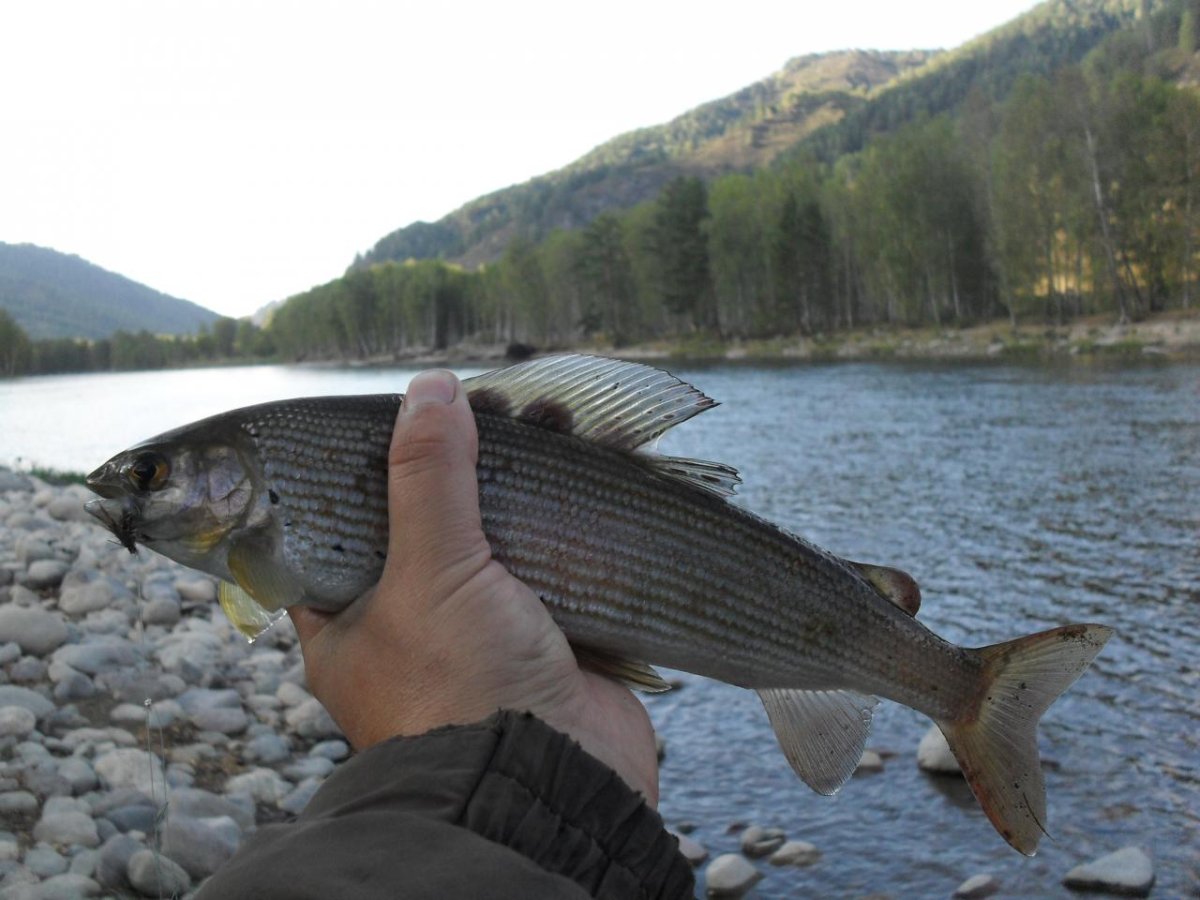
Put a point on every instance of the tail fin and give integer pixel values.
(997, 746)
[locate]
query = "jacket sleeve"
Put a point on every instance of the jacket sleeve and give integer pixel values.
(504, 808)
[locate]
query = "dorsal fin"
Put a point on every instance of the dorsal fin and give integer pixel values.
(716, 478)
(893, 585)
(618, 404)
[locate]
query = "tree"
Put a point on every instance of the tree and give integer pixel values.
(14, 346)
(681, 245)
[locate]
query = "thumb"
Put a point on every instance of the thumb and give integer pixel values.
(433, 493)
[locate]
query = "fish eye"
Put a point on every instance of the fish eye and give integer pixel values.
(148, 472)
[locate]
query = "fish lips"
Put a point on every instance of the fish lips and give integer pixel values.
(118, 511)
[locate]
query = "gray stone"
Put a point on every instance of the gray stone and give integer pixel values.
(12, 695)
(84, 862)
(88, 590)
(757, 841)
(266, 748)
(138, 817)
(11, 650)
(14, 481)
(67, 828)
(335, 750)
(45, 573)
(10, 849)
(795, 853)
(32, 547)
(196, 589)
(155, 875)
(1127, 871)
(693, 851)
(36, 631)
(113, 863)
(27, 669)
(194, 652)
(290, 694)
(137, 687)
(226, 720)
(297, 800)
(66, 804)
(16, 721)
(309, 767)
(730, 875)
(934, 755)
(976, 887)
(74, 686)
(310, 720)
(79, 773)
(198, 847)
(264, 785)
(45, 861)
(160, 611)
(131, 767)
(66, 508)
(193, 700)
(157, 715)
(17, 802)
(102, 654)
(195, 803)
(869, 763)
(68, 886)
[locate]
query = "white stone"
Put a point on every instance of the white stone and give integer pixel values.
(131, 767)
(795, 853)
(264, 785)
(45, 573)
(37, 631)
(196, 589)
(16, 721)
(933, 754)
(155, 875)
(758, 841)
(976, 887)
(869, 763)
(67, 828)
(730, 875)
(693, 851)
(311, 720)
(1126, 871)
(12, 695)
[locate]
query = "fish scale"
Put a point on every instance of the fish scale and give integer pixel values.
(639, 558)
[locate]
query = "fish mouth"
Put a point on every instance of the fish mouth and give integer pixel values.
(118, 517)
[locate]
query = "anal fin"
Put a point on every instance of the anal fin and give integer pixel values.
(822, 733)
(636, 675)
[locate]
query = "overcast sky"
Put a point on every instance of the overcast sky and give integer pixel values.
(237, 153)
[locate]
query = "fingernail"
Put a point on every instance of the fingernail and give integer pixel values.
(433, 388)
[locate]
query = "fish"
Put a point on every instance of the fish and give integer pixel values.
(640, 557)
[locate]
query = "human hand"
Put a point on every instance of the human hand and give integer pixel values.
(448, 636)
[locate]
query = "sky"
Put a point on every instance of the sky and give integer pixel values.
(236, 153)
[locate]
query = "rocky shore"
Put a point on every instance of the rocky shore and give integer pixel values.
(142, 738)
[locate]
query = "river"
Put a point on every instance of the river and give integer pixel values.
(1019, 497)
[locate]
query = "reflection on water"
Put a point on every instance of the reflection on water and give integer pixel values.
(1020, 499)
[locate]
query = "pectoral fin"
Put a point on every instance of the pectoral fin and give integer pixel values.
(244, 611)
(822, 733)
(632, 674)
(253, 565)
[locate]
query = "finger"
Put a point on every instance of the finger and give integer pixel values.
(308, 622)
(433, 494)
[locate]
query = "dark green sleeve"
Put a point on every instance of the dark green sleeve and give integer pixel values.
(507, 807)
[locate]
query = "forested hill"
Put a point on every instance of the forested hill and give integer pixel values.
(56, 295)
(827, 104)
(737, 133)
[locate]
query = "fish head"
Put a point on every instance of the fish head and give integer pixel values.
(179, 497)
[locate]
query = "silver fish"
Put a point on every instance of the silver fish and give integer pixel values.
(640, 558)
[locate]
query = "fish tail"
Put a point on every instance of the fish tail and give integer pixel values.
(996, 742)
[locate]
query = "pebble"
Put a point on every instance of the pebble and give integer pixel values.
(934, 755)
(264, 785)
(67, 828)
(335, 750)
(225, 720)
(16, 721)
(795, 853)
(267, 748)
(44, 861)
(976, 887)
(297, 800)
(103, 654)
(310, 720)
(1128, 871)
(155, 875)
(68, 886)
(693, 851)
(113, 864)
(131, 767)
(88, 590)
(869, 763)
(36, 631)
(757, 841)
(199, 847)
(45, 573)
(730, 875)
(13, 695)
(197, 589)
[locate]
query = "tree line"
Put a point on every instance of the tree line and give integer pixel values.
(228, 339)
(1079, 195)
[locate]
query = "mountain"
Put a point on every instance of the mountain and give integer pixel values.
(56, 295)
(743, 131)
(823, 105)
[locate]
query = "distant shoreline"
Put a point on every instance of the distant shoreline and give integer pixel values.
(1173, 337)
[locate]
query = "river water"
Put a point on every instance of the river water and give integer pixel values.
(1019, 497)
